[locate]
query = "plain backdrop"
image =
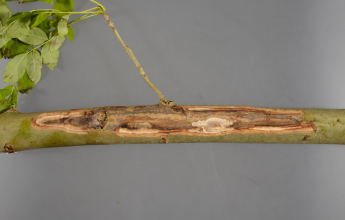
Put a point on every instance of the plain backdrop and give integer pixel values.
(266, 53)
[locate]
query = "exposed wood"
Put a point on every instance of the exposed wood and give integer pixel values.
(158, 121)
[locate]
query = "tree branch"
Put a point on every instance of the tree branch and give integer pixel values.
(159, 124)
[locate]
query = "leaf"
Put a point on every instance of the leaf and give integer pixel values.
(5, 104)
(18, 28)
(26, 1)
(3, 40)
(13, 98)
(5, 92)
(61, 5)
(15, 68)
(56, 43)
(70, 34)
(44, 25)
(34, 37)
(64, 5)
(3, 29)
(48, 1)
(39, 19)
(18, 16)
(34, 66)
(4, 50)
(62, 26)
(8, 98)
(9, 43)
(5, 12)
(5, 107)
(49, 58)
(15, 47)
(25, 84)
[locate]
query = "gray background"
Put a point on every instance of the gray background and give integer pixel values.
(267, 53)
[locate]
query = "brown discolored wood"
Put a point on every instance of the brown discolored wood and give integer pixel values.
(160, 121)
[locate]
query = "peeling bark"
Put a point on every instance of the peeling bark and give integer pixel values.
(159, 124)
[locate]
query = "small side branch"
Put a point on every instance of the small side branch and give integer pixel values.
(162, 100)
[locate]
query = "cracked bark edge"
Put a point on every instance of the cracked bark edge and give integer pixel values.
(162, 122)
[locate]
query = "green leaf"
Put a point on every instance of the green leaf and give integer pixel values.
(62, 26)
(25, 84)
(5, 107)
(3, 29)
(5, 12)
(39, 19)
(18, 16)
(48, 1)
(15, 68)
(27, 1)
(3, 40)
(44, 25)
(15, 47)
(8, 98)
(13, 98)
(34, 37)
(4, 50)
(18, 28)
(49, 58)
(70, 34)
(34, 66)
(64, 5)
(5, 92)
(61, 5)
(56, 43)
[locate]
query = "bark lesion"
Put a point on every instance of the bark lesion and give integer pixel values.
(102, 119)
(160, 121)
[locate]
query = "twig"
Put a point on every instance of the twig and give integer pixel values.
(162, 100)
